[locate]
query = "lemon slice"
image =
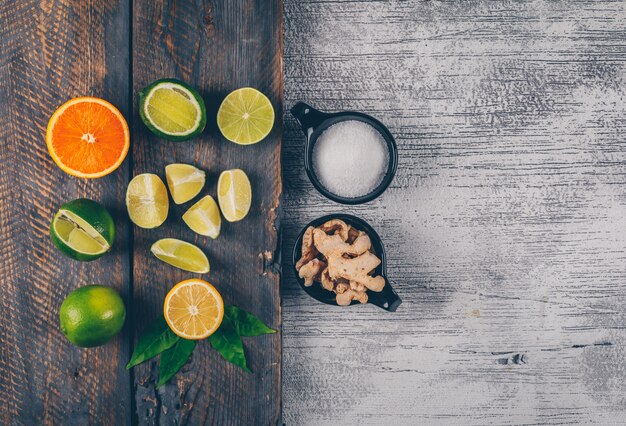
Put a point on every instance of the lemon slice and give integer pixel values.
(172, 110)
(193, 309)
(181, 254)
(184, 181)
(146, 201)
(204, 217)
(234, 194)
(246, 116)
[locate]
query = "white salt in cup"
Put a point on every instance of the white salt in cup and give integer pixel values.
(356, 158)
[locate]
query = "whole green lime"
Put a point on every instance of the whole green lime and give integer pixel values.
(82, 229)
(92, 315)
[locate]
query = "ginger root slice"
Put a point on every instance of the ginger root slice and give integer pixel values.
(361, 244)
(353, 233)
(352, 269)
(326, 281)
(372, 283)
(327, 244)
(342, 287)
(310, 271)
(331, 245)
(357, 286)
(357, 270)
(345, 298)
(308, 248)
(336, 227)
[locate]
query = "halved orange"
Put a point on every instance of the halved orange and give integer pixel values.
(193, 309)
(88, 137)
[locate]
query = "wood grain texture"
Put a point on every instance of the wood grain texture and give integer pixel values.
(217, 47)
(51, 51)
(505, 227)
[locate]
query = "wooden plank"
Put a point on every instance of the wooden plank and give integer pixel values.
(505, 227)
(217, 47)
(50, 52)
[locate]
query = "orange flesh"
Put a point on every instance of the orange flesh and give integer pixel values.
(89, 138)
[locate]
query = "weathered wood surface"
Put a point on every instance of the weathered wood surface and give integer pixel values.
(505, 227)
(217, 47)
(49, 53)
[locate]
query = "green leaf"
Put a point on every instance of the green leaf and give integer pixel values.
(173, 359)
(246, 324)
(228, 343)
(156, 338)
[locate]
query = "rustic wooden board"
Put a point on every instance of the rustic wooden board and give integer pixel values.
(50, 52)
(505, 227)
(217, 47)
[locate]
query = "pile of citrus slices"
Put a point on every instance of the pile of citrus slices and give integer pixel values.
(148, 206)
(88, 137)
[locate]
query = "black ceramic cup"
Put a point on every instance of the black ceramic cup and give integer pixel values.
(387, 299)
(314, 122)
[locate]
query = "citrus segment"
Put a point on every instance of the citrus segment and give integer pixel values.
(172, 109)
(146, 201)
(234, 194)
(246, 116)
(193, 309)
(80, 239)
(184, 181)
(181, 254)
(88, 137)
(204, 217)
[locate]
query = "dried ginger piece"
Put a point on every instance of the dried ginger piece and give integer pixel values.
(310, 271)
(308, 248)
(372, 283)
(341, 287)
(357, 269)
(336, 227)
(330, 245)
(356, 286)
(345, 298)
(353, 233)
(327, 282)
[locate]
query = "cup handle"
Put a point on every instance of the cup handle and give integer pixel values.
(388, 299)
(308, 117)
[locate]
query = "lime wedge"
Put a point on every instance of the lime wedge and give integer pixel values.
(172, 110)
(234, 194)
(181, 254)
(246, 116)
(146, 201)
(204, 217)
(82, 229)
(184, 181)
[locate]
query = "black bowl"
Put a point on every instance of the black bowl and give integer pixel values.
(386, 299)
(314, 122)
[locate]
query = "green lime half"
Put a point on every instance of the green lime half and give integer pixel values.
(82, 229)
(172, 110)
(92, 315)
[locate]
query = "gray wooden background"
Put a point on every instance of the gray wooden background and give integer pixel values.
(506, 224)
